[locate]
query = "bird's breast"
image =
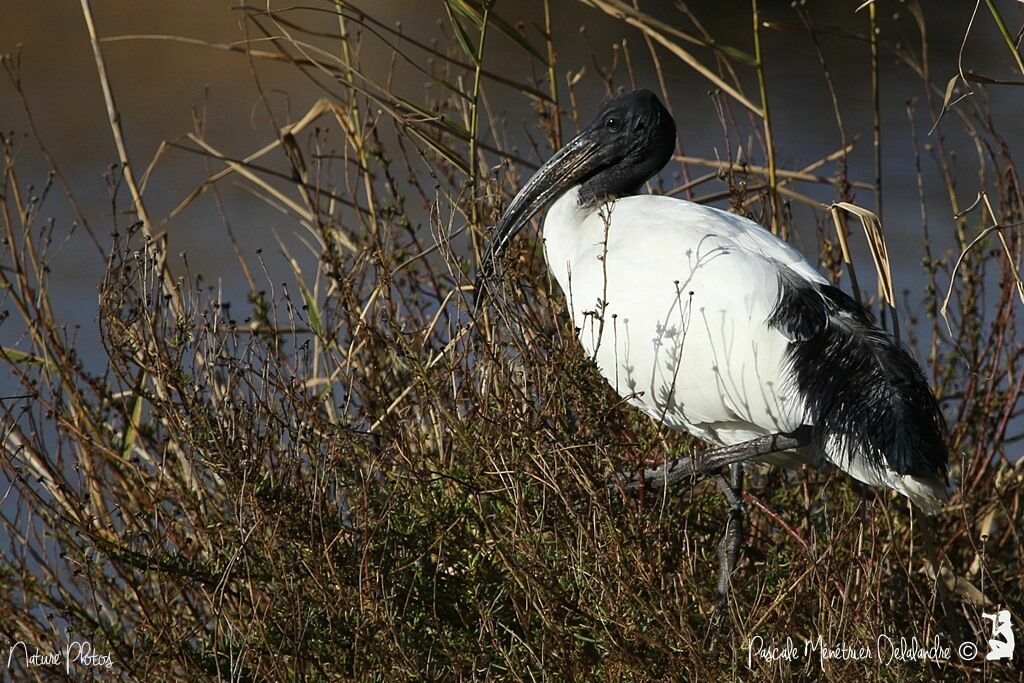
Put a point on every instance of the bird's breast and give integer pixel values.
(674, 315)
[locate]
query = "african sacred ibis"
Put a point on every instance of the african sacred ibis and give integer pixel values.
(705, 320)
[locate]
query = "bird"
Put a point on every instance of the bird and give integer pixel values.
(709, 323)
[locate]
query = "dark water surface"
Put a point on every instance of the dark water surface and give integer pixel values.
(160, 85)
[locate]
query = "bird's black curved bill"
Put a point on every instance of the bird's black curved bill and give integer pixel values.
(568, 167)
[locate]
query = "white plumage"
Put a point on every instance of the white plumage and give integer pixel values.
(683, 331)
(706, 321)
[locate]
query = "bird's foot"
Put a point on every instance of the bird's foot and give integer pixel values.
(732, 538)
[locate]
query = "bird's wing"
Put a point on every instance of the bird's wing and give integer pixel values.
(748, 235)
(676, 315)
(705, 320)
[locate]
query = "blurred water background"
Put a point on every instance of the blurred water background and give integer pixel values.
(164, 87)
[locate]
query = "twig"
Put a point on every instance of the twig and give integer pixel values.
(629, 16)
(1005, 33)
(769, 140)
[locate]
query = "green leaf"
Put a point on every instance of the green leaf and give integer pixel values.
(460, 33)
(312, 310)
(475, 14)
(22, 358)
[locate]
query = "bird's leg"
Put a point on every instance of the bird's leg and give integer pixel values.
(732, 537)
(692, 470)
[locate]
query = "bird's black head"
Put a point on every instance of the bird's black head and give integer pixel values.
(637, 136)
(629, 141)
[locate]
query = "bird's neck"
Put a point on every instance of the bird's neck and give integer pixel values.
(566, 232)
(591, 194)
(567, 213)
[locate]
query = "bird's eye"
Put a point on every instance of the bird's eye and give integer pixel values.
(612, 123)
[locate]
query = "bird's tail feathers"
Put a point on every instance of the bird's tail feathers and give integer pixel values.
(872, 411)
